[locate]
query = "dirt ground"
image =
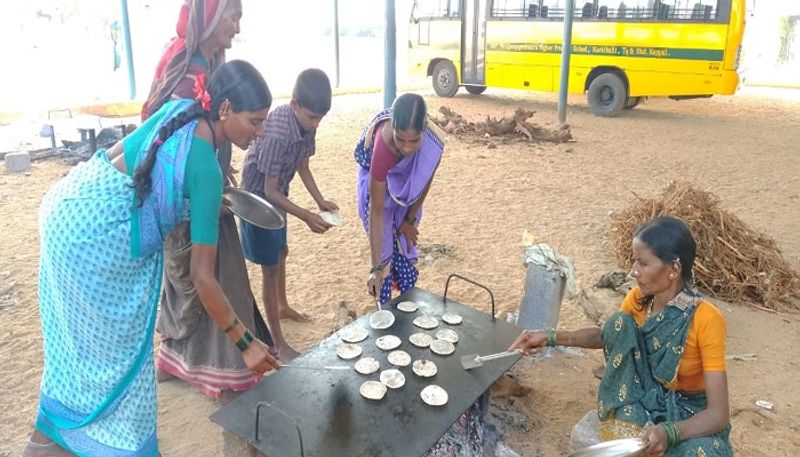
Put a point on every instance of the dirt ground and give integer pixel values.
(742, 148)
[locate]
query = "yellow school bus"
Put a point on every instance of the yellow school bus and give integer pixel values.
(622, 50)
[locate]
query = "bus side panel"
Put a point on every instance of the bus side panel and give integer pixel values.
(666, 84)
(659, 59)
(445, 38)
(735, 35)
(509, 65)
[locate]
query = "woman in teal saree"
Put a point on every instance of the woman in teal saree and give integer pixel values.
(665, 377)
(102, 229)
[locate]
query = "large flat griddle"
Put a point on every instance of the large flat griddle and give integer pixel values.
(326, 411)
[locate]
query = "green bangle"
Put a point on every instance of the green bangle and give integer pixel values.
(673, 435)
(376, 268)
(244, 341)
(551, 337)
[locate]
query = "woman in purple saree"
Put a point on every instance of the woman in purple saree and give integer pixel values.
(398, 155)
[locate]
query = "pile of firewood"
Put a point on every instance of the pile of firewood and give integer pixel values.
(517, 125)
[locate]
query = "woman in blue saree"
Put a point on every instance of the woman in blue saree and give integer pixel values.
(398, 155)
(665, 377)
(101, 265)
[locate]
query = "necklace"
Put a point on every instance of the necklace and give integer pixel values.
(649, 310)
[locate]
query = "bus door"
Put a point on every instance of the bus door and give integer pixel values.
(473, 42)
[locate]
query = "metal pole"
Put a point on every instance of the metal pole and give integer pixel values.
(566, 52)
(336, 37)
(390, 75)
(126, 28)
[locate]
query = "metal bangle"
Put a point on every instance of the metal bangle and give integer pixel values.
(233, 325)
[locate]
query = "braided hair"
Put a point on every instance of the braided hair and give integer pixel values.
(236, 82)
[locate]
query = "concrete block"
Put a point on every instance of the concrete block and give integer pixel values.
(18, 162)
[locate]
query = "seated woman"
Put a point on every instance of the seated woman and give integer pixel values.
(665, 374)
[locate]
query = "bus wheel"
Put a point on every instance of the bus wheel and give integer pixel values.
(607, 95)
(476, 90)
(633, 102)
(445, 81)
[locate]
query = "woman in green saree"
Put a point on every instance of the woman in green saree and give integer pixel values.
(665, 378)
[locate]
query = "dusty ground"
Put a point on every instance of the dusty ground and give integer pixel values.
(744, 149)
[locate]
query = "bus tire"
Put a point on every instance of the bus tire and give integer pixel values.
(476, 90)
(445, 80)
(607, 95)
(633, 102)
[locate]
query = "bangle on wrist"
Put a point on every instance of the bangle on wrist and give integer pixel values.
(233, 325)
(375, 268)
(673, 435)
(551, 337)
(245, 340)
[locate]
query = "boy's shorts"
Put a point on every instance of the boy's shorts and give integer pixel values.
(260, 245)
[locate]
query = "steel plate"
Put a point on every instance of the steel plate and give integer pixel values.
(253, 208)
(627, 447)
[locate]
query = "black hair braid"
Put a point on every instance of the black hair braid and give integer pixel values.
(142, 180)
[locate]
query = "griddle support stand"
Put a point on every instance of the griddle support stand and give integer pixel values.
(284, 414)
(447, 286)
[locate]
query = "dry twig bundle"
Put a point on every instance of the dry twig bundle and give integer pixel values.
(517, 125)
(734, 262)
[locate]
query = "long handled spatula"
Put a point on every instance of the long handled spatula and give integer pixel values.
(475, 360)
(315, 367)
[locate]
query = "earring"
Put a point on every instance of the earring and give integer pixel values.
(672, 276)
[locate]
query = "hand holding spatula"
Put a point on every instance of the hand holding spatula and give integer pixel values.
(476, 360)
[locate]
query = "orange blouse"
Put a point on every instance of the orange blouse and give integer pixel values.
(705, 344)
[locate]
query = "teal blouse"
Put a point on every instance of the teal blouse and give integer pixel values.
(202, 183)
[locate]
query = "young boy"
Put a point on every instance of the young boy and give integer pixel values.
(271, 162)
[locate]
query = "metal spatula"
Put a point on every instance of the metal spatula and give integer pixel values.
(381, 319)
(475, 360)
(314, 367)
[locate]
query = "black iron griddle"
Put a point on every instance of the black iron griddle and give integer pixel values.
(323, 413)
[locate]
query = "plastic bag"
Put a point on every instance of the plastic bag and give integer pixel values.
(504, 451)
(586, 432)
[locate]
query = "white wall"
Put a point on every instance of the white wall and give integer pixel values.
(59, 53)
(762, 41)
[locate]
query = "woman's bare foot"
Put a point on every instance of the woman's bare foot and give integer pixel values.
(598, 371)
(287, 354)
(42, 446)
(290, 313)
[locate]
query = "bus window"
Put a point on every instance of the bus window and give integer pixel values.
(659, 10)
(455, 7)
(425, 9)
(515, 8)
(687, 10)
(554, 9)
